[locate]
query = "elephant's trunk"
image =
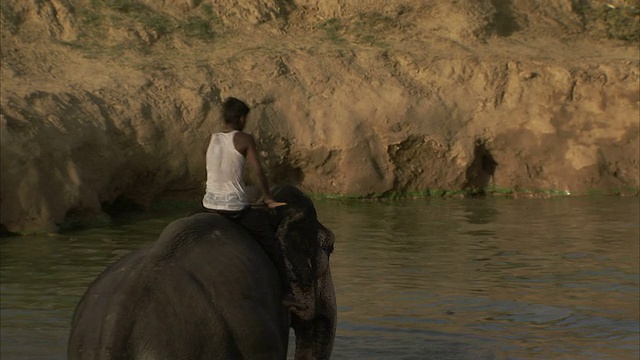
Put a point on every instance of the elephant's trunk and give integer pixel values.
(307, 245)
(314, 337)
(316, 342)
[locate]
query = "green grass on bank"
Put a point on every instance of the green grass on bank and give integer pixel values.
(169, 207)
(135, 25)
(493, 191)
(109, 27)
(618, 19)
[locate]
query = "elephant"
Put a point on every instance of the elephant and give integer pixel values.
(205, 289)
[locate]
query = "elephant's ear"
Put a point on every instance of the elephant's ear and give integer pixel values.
(299, 251)
(284, 218)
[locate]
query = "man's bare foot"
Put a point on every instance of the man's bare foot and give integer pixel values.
(274, 204)
(290, 301)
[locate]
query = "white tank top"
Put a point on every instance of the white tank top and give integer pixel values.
(225, 169)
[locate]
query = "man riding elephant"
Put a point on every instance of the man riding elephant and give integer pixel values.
(206, 289)
(225, 193)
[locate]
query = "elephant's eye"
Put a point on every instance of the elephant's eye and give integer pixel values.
(328, 249)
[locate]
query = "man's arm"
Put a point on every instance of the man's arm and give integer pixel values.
(248, 144)
(257, 172)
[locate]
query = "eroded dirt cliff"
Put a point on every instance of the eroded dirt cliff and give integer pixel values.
(105, 102)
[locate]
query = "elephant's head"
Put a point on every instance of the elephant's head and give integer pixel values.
(307, 245)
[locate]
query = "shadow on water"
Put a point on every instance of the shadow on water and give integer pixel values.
(480, 211)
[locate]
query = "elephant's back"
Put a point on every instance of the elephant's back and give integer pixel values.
(193, 278)
(208, 247)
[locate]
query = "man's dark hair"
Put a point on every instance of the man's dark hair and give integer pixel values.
(233, 109)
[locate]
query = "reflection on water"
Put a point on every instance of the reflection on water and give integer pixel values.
(486, 278)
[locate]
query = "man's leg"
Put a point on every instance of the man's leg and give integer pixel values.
(258, 224)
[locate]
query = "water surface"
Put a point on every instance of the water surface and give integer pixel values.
(489, 278)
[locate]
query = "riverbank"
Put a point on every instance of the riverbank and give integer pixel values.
(113, 102)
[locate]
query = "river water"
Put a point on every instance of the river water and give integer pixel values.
(487, 278)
